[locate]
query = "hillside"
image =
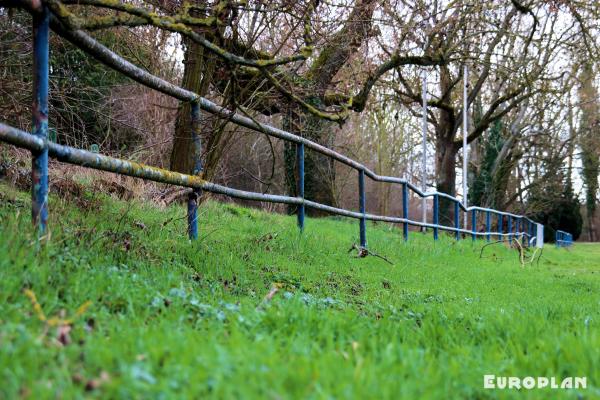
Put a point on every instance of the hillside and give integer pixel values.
(255, 310)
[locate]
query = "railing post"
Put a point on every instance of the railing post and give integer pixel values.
(192, 215)
(194, 196)
(436, 215)
(456, 219)
(500, 231)
(520, 229)
(405, 210)
(531, 230)
(39, 167)
(300, 163)
(474, 223)
(488, 225)
(362, 208)
(509, 229)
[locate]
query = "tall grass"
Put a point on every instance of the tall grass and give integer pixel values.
(255, 310)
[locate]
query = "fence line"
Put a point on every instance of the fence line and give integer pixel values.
(41, 148)
(563, 239)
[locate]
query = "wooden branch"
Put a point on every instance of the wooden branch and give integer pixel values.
(330, 116)
(336, 52)
(490, 117)
(395, 61)
(171, 24)
(364, 252)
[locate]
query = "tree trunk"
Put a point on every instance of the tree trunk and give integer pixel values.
(198, 73)
(446, 152)
(319, 171)
(181, 154)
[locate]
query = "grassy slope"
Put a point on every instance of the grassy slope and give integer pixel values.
(176, 319)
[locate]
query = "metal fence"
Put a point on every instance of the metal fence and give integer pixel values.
(563, 239)
(507, 226)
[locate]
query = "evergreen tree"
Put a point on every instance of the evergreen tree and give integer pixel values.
(482, 184)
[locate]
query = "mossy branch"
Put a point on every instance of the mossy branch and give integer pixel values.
(339, 117)
(179, 24)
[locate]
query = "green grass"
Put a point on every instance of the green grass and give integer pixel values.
(174, 319)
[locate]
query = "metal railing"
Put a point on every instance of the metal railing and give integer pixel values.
(507, 225)
(563, 239)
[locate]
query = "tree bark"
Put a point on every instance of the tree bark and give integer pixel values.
(319, 177)
(198, 74)
(446, 152)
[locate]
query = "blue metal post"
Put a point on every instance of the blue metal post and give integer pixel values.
(522, 230)
(362, 208)
(531, 230)
(193, 197)
(488, 225)
(39, 168)
(300, 163)
(518, 225)
(436, 215)
(192, 215)
(509, 229)
(456, 219)
(405, 210)
(474, 223)
(500, 218)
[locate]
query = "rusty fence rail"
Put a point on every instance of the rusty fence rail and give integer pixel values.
(507, 225)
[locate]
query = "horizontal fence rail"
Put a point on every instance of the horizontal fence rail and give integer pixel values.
(517, 226)
(105, 163)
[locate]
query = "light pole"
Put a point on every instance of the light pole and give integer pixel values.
(465, 133)
(424, 131)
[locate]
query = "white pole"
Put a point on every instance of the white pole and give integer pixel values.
(424, 129)
(465, 133)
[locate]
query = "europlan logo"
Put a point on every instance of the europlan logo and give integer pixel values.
(530, 382)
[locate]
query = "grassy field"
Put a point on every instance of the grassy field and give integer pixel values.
(254, 310)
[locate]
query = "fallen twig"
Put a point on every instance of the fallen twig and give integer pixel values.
(363, 252)
(517, 245)
(519, 248)
(488, 244)
(275, 287)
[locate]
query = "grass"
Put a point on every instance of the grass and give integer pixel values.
(174, 319)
